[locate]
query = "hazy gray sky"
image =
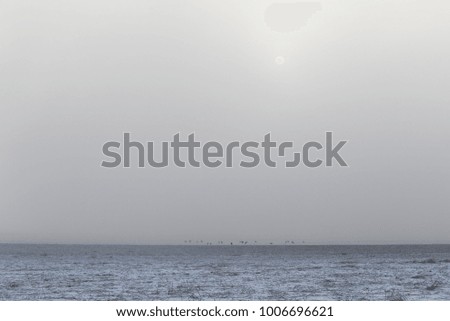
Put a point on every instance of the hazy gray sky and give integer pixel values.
(75, 74)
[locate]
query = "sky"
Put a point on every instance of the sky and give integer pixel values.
(76, 74)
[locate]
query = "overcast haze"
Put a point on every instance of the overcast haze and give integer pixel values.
(75, 74)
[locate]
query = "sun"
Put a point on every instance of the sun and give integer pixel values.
(279, 60)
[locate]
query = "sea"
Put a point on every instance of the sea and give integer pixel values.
(190, 272)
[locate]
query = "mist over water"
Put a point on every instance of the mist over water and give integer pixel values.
(106, 272)
(77, 74)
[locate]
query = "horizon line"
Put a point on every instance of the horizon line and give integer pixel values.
(223, 245)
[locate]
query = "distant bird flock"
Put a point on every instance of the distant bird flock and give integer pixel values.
(201, 242)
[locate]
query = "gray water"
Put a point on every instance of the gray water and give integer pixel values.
(94, 272)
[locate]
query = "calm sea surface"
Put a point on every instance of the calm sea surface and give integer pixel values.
(75, 272)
